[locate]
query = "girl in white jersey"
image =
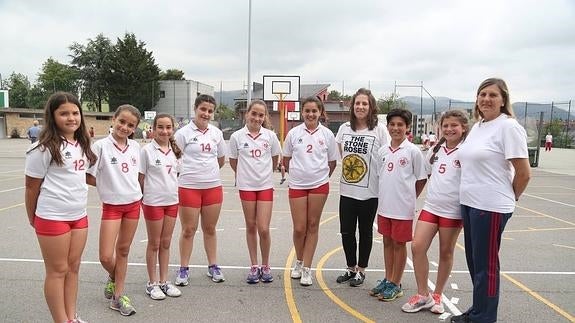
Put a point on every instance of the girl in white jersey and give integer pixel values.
(254, 151)
(441, 213)
(359, 141)
(200, 188)
(310, 156)
(56, 196)
(116, 177)
(159, 180)
(494, 173)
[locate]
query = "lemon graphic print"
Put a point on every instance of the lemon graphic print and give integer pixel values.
(354, 168)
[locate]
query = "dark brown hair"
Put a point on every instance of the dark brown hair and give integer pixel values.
(175, 148)
(461, 117)
(372, 115)
(50, 137)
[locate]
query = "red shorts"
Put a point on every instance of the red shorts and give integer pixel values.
(196, 198)
(118, 212)
(439, 220)
(265, 195)
(295, 193)
(46, 227)
(397, 230)
(155, 213)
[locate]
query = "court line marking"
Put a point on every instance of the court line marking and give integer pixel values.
(537, 230)
(563, 246)
(327, 291)
(548, 200)
(12, 171)
(288, 290)
(545, 215)
(532, 293)
(11, 207)
(12, 189)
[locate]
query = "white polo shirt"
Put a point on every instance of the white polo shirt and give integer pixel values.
(399, 169)
(310, 152)
(254, 154)
(160, 169)
(486, 172)
(116, 171)
(359, 149)
(443, 186)
(64, 192)
(201, 150)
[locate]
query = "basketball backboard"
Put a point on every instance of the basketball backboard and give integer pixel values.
(281, 87)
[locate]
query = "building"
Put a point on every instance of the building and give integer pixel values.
(177, 97)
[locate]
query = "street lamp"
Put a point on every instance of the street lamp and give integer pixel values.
(249, 96)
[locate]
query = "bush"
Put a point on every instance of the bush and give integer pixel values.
(15, 133)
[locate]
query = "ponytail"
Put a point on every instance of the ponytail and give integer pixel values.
(175, 148)
(436, 149)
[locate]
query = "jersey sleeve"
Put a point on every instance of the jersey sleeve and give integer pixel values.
(288, 147)
(97, 150)
(340, 132)
(180, 138)
(332, 151)
(37, 162)
(276, 148)
(233, 146)
(144, 161)
(221, 145)
(418, 164)
(514, 140)
(383, 135)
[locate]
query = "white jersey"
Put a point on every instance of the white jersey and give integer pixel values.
(399, 169)
(160, 169)
(443, 186)
(432, 138)
(549, 138)
(116, 171)
(310, 152)
(201, 150)
(254, 154)
(64, 192)
(486, 172)
(359, 178)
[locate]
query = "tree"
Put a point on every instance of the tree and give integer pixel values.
(172, 74)
(93, 62)
(36, 97)
(392, 101)
(56, 76)
(19, 87)
(334, 95)
(223, 112)
(133, 74)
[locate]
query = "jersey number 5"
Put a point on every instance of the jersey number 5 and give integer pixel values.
(441, 169)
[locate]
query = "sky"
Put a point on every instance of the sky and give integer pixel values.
(449, 46)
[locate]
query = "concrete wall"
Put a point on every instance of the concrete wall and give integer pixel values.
(179, 96)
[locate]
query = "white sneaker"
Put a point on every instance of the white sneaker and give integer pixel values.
(296, 271)
(437, 307)
(170, 289)
(305, 277)
(155, 292)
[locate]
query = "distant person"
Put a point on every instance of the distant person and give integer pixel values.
(56, 196)
(254, 152)
(410, 136)
(494, 173)
(548, 142)
(424, 141)
(91, 132)
(432, 139)
(33, 132)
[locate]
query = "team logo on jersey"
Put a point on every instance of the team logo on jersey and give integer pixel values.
(321, 142)
(246, 145)
(354, 168)
(266, 145)
(158, 162)
(300, 141)
(456, 163)
(403, 161)
(114, 161)
(436, 158)
(195, 139)
(134, 161)
(68, 155)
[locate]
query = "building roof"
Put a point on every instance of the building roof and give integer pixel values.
(305, 91)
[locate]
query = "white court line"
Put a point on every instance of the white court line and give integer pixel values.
(548, 200)
(12, 189)
(446, 300)
(12, 171)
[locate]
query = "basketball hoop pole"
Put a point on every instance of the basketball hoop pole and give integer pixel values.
(282, 119)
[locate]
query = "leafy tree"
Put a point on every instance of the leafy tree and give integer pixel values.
(333, 95)
(36, 97)
(133, 75)
(172, 74)
(93, 62)
(56, 76)
(557, 129)
(223, 112)
(389, 102)
(19, 87)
